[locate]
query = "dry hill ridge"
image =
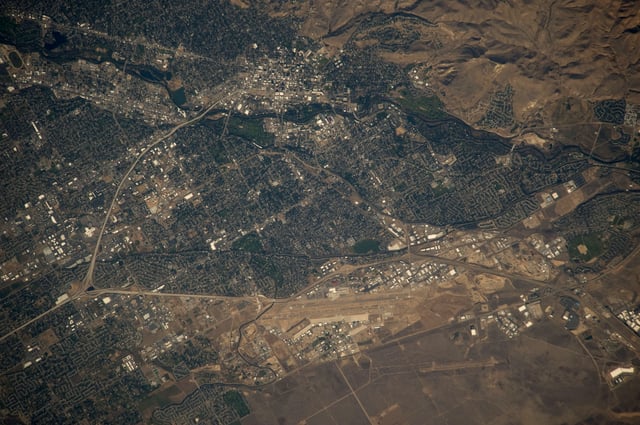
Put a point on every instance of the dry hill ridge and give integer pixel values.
(545, 50)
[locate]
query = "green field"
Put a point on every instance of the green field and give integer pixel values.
(591, 241)
(235, 400)
(429, 107)
(266, 266)
(440, 190)
(365, 246)
(178, 97)
(249, 242)
(15, 60)
(249, 129)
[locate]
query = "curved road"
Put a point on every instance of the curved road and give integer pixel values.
(88, 279)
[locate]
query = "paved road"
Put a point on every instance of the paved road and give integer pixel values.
(88, 280)
(484, 269)
(109, 291)
(33, 320)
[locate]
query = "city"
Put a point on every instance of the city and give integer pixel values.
(190, 231)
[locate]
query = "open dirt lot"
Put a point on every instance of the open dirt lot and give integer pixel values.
(432, 377)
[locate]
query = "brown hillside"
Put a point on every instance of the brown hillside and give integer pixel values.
(546, 50)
